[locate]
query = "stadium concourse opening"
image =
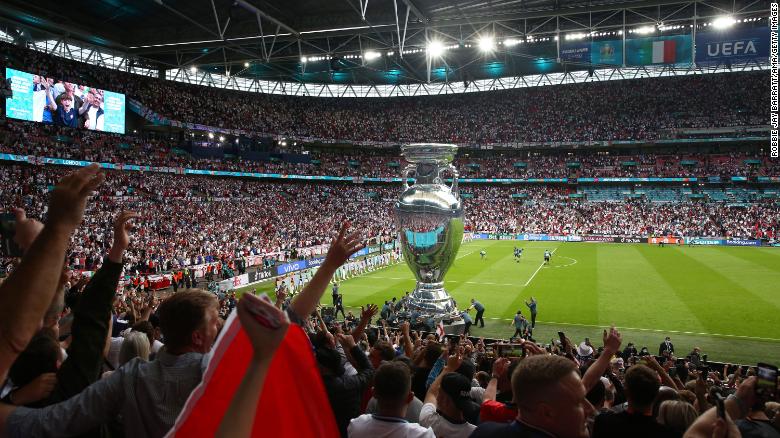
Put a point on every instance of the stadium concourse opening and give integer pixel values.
(448, 218)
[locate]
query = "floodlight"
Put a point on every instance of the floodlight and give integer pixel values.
(487, 44)
(723, 22)
(211, 135)
(435, 48)
(221, 138)
(645, 29)
(193, 69)
(368, 56)
(246, 64)
(303, 59)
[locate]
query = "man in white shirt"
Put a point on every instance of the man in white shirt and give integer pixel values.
(393, 391)
(445, 401)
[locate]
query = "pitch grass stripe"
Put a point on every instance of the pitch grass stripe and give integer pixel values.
(628, 286)
(539, 321)
(712, 297)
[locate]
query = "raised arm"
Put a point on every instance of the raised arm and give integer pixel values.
(27, 292)
(341, 248)
(612, 340)
(239, 417)
(366, 313)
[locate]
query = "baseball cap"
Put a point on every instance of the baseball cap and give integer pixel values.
(457, 387)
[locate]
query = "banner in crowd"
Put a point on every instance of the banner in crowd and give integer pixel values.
(732, 45)
(42, 99)
(291, 267)
(743, 242)
(293, 402)
(672, 49)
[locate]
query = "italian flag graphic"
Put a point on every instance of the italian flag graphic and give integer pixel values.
(664, 52)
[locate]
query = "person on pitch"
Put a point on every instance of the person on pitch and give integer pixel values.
(480, 311)
(547, 255)
(483, 254)
(532, 307)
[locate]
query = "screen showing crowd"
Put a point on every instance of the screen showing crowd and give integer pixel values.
(48, 100)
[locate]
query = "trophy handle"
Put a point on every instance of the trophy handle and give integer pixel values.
(454, 172)
(405, 176)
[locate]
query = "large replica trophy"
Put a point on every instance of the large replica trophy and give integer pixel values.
(429, 217)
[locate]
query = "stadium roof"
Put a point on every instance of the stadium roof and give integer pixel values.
(357, 41)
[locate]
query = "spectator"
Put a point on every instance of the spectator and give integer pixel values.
(641, 389)
(445, 403)
(550, 398)
(392, 389)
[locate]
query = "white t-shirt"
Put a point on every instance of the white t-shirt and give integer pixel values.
(442, 427)
(375, 426)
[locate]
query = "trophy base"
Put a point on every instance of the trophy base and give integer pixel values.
(432, 299)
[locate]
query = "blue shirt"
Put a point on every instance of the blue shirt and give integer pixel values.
(477, 305)
(520, 322)
(466, 317)
(532, 306)
(67, 118)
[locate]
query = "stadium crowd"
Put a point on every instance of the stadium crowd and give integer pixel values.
(35, 139)
(57, 339)
(612, 110)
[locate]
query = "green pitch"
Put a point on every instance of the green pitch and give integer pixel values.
(725, 300)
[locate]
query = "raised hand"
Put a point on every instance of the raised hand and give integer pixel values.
(265, 340)
(347, 341)
(612, 341)
(368, 312)
(343, 246)
(500, 366)
(454, 361)
(26, 229)
(69, 198)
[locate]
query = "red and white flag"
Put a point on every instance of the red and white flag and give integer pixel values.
(293, 403)
(664, 52)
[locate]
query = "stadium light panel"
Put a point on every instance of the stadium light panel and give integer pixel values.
(435, 49)
(723, 22)
(645, 30)
(368, 56)
(221, 138)
(487, 43)
(390, 53)
(303, 59)
(246, 64)
(193, 69)
(211, 135)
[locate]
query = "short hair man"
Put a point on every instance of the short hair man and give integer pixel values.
(550, 399)
(641, 390)
(148, 395)
(445, 403)
(393, 391)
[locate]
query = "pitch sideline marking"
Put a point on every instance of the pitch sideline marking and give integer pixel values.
(757, 338)
(538, 269)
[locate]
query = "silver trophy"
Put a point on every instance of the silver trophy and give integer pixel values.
(429, 218)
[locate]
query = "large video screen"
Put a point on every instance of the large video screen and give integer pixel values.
(52, 101)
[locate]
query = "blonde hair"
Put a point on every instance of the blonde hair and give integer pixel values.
(136, 344)
(676, 415)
